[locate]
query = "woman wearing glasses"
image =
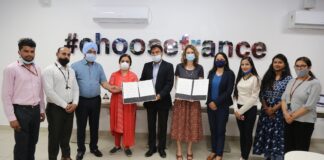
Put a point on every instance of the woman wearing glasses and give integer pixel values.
(299, 106)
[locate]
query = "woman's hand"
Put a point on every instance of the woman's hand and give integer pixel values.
(239, 116)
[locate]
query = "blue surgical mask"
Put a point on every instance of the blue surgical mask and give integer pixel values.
(219, 63)
(90, 57)
(247, 72)
(26, 62)
(190, 57)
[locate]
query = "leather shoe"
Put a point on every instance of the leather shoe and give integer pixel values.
(79, 156)
(150, 152)
(96, 152)
(162, 153)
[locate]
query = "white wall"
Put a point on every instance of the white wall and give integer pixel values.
(233, 20)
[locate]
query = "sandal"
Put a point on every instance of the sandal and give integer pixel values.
(189, 156)
(179, 157)
(211, 157)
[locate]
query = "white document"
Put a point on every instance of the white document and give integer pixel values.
(200, 87)
(184, 86)
(130, 90)
(146, 88)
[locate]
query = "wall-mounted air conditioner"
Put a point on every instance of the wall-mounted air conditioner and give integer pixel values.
(306, 19)
(124, 14)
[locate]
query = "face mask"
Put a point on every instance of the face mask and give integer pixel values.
(124, 66)
(190, 57)
(90, 57)
(26, 62)
(247, 72)
(302, 73)
(157, 58)
(63, 61)
(219, 63)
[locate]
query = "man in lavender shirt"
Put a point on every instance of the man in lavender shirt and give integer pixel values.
(23, 100)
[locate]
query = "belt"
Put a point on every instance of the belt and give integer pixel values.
(90, 98)
(26, 106)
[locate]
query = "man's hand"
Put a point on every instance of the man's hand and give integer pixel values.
(158, 97)
(70, 108)
(115, 89)
(212, 106)
(42, 117)
(15, 125)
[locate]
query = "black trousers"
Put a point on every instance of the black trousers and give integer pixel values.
(246, 129)
(60, 124)
(26, 139)
(298, 136)
(217, 123)
(162, 114)
(88, 108)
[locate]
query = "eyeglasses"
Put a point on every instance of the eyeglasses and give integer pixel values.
(300, 66)
(124, 61)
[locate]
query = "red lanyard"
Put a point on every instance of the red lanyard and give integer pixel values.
(36, 74)
(292, 90)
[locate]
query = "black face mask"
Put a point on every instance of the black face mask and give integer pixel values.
(63, 61)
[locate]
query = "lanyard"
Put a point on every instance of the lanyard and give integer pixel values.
(292, 90)
(66, 79)
(36, 74)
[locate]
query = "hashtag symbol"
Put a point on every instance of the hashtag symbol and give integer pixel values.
(71, 41)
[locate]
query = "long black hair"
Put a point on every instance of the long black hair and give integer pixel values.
(226, 67)
(240, 73)
(309, 64)
(270, 76)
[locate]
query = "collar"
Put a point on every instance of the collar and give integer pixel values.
(58, 64)
(157, 63)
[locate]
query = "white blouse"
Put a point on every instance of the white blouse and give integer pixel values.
(248, 93)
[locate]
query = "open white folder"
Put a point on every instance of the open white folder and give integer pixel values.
(141, 91)
(192, 90)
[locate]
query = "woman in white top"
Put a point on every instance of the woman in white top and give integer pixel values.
(246, 93)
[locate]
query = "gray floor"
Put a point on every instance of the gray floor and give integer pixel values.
(106, 143)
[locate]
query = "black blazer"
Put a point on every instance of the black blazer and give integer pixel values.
(164, 83)
(226, 86)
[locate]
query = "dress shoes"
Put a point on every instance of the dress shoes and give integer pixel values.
(150, 152)
(162, 153)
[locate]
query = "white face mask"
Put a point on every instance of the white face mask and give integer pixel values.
(157, 58)
(25, 62)
(124, 66)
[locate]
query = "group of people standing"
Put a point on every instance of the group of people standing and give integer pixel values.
(286, 120)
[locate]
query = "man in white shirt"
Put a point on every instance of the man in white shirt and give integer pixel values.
(62, 95)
